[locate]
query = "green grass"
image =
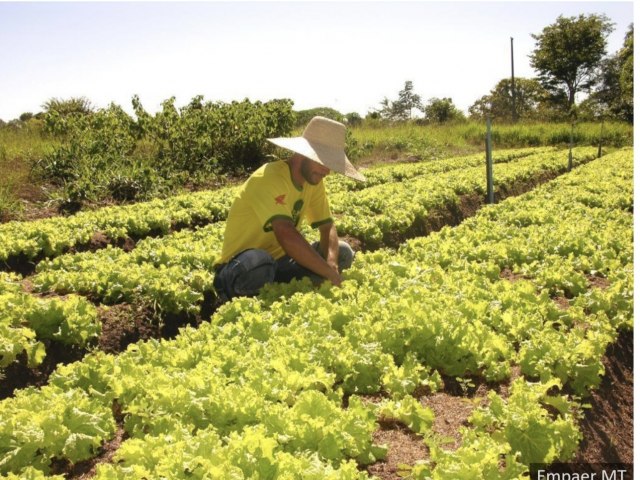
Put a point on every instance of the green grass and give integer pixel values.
(435, 141)
(20, 148)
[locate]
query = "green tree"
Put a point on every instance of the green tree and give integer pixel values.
(441, 110)
(613, 96)
(498, 103)
(353, 119)
(568, 52)
(304, 116)
(626, 71)
(401, 109)
(407, 101)
(73, 105)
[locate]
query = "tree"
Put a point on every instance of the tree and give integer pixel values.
(497, 104)
(353, 119)
(614, 94)
(441, 110)
(408, 100)
(401, 109)
(626, 71)
(304, 116)
(74, 105)
(568, 52)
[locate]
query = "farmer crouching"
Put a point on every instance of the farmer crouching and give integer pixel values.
(262, 241)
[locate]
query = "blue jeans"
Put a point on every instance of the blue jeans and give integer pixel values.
(247, 272)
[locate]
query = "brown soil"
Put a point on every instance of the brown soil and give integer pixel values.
(405, 448)
(562, 303)
(124, 324)
(121, 325)
(608, 426)
(598, 282)
(451, 414)
(18, 375)
(507, 274)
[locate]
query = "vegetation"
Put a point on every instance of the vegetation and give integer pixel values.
(498, 104)
(401, 109)
(568, 52)
(613, 96)
(22, 144)
(107, 154)
(78, 160)
(260, 391)
(75, 156)
(442, 110)
(378, 140)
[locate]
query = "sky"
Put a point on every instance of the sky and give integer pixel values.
(344, 55)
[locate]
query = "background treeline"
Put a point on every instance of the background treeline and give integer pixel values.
(571, 63)
(74, 156)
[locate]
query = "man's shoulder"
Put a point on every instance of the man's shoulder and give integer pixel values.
(276, 168)
(270, 173)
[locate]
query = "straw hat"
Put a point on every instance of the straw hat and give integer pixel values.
(322, 141)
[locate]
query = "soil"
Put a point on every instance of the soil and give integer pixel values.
(18, 375)
(124, 324)
(405, 448)
(608, 426)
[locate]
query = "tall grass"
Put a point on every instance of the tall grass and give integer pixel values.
(437, 140)
(20, 148)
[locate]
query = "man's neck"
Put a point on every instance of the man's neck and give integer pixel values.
(295, 167)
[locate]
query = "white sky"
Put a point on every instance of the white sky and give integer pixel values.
(345, 55)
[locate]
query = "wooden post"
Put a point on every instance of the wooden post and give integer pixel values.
(488, 147)
(571, 147)
(600, 141)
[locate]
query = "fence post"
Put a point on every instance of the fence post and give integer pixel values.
(600, 141)
(489, 163)
(571, 146)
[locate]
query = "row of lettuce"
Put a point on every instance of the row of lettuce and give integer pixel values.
(27, 321)
(52, 237)
(275, 386)
(173, 272)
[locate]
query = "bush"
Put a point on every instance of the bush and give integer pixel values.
(304, 116)
(108, 154)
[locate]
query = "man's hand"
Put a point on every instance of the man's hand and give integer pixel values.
(295, 245)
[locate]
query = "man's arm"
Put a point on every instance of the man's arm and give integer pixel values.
(295, 245)
(329, 244)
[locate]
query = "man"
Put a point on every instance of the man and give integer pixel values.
(262, 242)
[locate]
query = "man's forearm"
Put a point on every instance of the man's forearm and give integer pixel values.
(329, 244)
(295, 245)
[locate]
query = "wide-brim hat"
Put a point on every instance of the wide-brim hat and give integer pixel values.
(322, 141)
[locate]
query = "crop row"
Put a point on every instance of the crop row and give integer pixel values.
(394, 209)
(259, 390)
(388, 173)
(173, 272)
(52, 237)
(27, 320)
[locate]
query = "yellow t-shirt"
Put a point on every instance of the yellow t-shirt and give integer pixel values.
(267, 194)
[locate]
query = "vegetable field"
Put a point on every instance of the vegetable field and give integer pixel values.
(475, 332)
